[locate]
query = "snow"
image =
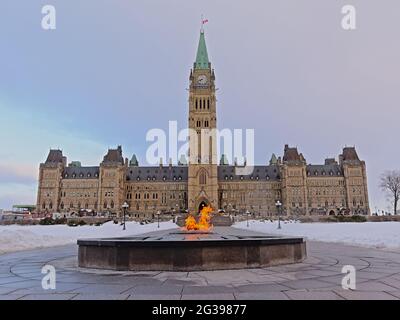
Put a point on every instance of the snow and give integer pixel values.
(16, 237)
(367, 234)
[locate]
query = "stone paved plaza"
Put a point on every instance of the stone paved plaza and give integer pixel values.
(318, 277)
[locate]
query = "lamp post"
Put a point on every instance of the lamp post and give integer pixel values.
(278, 205)
(158, 219)
(247, 215)
(124, 207)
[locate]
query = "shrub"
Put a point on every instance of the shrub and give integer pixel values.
(60, 221)
(75, 223)
(341, 218)
(47, 221)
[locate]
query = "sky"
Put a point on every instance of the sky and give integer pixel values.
(114, 69)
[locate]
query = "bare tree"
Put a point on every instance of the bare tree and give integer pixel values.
(390, 183)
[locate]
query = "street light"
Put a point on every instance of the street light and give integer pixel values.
(247, 215)
(124, 207)
(158, 218)
(278, 205)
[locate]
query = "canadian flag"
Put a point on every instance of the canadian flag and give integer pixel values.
(204, 21)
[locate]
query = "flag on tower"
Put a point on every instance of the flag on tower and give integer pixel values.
(204, 21)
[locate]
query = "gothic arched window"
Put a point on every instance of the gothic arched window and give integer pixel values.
(202, 178)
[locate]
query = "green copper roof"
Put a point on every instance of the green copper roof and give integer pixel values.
(202, 61)
(76, 164)
(134, 162)
(273, 160)
(224, 160)
(182, 160)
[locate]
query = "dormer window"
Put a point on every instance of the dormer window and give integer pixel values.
(89, 175)
(73, 175)
(81, 175)
(154, 178)
(231, 177)
(66, 175)
(164, 178)
(138, 178)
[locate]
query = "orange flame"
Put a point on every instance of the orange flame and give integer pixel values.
(204, 220)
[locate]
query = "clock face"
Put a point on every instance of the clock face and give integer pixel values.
(202, 79)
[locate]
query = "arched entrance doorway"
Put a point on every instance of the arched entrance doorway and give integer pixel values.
(202, 205)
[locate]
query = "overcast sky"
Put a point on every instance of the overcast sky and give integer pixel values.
(113, 69)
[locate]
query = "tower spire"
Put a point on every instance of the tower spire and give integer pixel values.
(202, 61)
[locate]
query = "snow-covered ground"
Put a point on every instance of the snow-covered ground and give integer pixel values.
(16, 238)
(369, 234)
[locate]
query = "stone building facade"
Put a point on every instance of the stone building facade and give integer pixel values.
(335, 187)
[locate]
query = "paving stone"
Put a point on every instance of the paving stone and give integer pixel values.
(54, 296)
(154, 297)
(60, 288)
(104, 289)
(307, 284)
(101, 297)
(395, 293)
(312, 295)
(317, 277)
(374, 286)
(260, 288)
(391, 282)
(165, 289)
(186, 282)
(10, 296)
(365, 295)
(294, 275)
(272, 295)
(209, 296)
(6, 290)
(206, 290)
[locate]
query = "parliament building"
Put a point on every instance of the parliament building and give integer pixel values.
(338, 186)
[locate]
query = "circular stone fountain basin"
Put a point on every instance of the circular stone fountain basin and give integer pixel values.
(177, 250)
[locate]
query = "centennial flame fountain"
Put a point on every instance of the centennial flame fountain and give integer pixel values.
(198, 245)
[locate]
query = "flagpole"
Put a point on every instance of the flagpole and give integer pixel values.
(202, 24)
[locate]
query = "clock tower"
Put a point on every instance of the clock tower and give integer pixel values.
(202, 172)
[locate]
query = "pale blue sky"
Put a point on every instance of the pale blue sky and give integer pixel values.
(114, 69)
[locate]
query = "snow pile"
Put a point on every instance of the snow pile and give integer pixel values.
(368, 234)
(16, 237)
